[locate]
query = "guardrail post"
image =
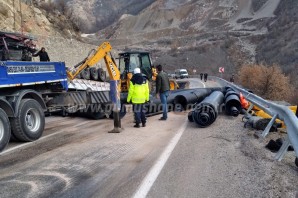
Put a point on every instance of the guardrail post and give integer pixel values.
(268, 127)
(284, 148)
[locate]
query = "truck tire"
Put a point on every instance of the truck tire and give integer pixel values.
(30, 121)
(97, 115)
(296, 161)
(5, 132)
(94, 73)
(85, 74)
(102, 75)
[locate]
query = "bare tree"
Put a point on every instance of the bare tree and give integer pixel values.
(266, 81)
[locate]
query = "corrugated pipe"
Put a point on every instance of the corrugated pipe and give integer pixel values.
(205, 113)
(232, 102)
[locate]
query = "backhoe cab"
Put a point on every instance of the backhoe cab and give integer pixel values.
(128, 61)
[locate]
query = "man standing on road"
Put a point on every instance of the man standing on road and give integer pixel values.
(232, 79)
(162, 90)
(201, 74)
(43, 55)
(205, 77)
(138, 95)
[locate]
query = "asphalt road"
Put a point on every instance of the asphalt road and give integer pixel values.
(224, 160)
(77, 157)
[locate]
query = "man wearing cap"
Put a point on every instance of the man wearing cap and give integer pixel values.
(138, 94)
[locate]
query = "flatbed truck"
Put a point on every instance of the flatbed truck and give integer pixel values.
(28, 90)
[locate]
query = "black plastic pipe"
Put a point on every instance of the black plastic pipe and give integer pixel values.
(186, 99)
(205, 112)
(232, 103)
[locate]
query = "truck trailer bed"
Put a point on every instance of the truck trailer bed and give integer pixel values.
(17, 73)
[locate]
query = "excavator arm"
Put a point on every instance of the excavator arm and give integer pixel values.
(102, 52)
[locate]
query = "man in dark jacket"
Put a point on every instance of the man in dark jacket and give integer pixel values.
(138, 94)
(232, 79)
(205, 77)
(162, 90)
(43, 55)
(201, 74)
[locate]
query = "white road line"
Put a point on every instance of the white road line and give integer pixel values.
(27, 144)
(204, 86)
(155, 170)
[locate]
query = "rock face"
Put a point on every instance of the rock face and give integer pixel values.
(17, 17)
(97, 14)
(34, 22)
(208, 34)
(65, 50)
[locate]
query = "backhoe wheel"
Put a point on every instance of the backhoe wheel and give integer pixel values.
(102, 75)
(94, 73)
(4, 130)
(85, 74)
(30, 121)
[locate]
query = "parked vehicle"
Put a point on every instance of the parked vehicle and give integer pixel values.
(181, 73)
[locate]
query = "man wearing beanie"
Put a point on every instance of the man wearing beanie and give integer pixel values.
(138, 94)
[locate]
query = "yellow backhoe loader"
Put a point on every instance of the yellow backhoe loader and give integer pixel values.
(128, 61)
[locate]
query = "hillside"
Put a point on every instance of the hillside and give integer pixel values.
(209, 34)
(50, 30)
(22, 17)
(200, 34)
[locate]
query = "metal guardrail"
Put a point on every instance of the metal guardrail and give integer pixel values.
(276, 111)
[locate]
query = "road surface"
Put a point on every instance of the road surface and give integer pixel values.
(77, 157)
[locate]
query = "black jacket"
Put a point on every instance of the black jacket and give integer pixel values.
(138, 79)
(43, 56)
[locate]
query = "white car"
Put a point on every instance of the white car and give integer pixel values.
(181, 73)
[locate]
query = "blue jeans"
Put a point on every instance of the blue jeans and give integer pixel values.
(163, 99)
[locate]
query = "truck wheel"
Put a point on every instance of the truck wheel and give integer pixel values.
(94, 73)
(296, 161)
(97, 115)
(30, 121)
(102, 75)
(4, 130)
(85, 74)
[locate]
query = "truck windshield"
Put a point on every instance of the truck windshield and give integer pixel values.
(183, 72)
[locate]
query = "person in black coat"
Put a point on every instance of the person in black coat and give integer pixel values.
(205, 76)
(201, 74)
(43, 55)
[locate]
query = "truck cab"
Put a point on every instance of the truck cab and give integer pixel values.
(181, 73)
